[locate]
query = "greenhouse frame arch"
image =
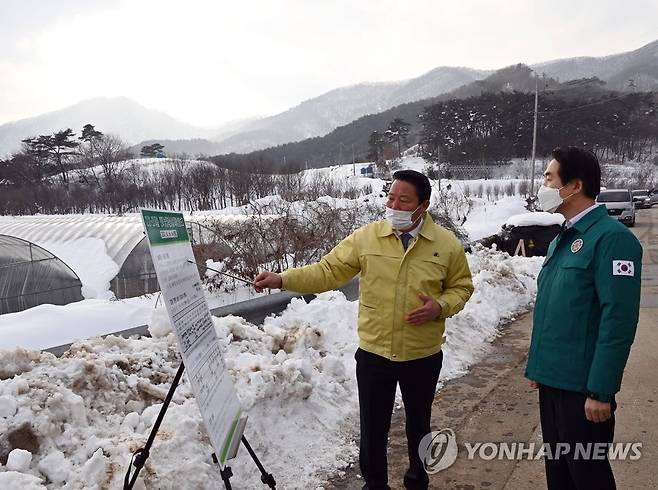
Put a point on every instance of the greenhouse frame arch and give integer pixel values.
(31, 275)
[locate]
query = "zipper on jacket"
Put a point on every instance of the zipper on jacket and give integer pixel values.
(550, 290)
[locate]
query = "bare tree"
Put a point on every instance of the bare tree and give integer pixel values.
(201, 182)
(290, 186)
(102, 165)
(176, 171)
(282, 234)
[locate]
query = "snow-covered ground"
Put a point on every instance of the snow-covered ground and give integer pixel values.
(81, 416)
(47, 326)
(149, 165)
(487, 215)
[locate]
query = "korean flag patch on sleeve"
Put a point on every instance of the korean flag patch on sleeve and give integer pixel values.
(623, 268)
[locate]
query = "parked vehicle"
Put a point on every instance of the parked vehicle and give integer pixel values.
(653, 198)
(619, 203)
(641, 199)
(527, 234)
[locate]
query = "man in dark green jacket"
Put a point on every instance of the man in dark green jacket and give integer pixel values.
(585, 318)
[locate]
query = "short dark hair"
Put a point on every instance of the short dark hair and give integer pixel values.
(578, 163)
(418, 180)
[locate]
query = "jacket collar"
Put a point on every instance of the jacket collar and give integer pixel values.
(384, 228)
(583, 224)
(426, 230)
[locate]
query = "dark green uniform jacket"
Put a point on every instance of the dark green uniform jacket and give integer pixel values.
(587, 307)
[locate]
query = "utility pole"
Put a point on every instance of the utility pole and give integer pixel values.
(353, 161)
(534, 138)
(438, 163)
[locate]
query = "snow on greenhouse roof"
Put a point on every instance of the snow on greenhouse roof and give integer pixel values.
(120, 233)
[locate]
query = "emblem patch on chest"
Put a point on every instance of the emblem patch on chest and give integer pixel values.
(576, 245)
(623, 268)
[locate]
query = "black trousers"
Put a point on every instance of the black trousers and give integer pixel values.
(377, 379)
(563, 420)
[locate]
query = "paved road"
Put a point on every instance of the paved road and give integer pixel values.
(493, 402)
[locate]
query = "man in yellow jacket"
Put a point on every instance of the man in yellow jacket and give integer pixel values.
(414, 275)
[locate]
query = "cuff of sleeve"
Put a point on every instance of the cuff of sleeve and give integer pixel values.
(602, 397)
(283, 279)
(444, 309)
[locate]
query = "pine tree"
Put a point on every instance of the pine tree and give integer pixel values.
(375, 146)
(398, 132)
(50, 150)
(60, 145)
(89, 134)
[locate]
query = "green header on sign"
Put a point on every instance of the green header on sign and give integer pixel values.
(163, 227)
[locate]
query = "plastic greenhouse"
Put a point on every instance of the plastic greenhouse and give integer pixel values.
(30, 276)
(124, 242)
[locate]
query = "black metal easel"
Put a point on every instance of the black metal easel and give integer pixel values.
(140, 456)
(227, 472)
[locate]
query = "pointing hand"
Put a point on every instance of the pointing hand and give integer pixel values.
(267, 280)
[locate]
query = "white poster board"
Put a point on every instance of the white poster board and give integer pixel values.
(191, 320)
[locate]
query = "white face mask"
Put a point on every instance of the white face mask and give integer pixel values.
(550, 199)
(400, 220)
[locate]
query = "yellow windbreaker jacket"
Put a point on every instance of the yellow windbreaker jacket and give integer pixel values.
(434, 264)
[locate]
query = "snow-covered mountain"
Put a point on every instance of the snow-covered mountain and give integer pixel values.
(323, 114)
(116, 115)
(317, 116)
(640, 65)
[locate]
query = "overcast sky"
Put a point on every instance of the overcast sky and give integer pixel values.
(210, 61)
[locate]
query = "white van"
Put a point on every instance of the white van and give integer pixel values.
(620, 204)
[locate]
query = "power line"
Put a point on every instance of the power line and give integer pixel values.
(584, 105)
(604, 133)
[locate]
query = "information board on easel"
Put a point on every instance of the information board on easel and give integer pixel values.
(191, 321)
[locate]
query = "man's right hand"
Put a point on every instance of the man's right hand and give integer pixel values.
(267, 280)
(534, 384)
